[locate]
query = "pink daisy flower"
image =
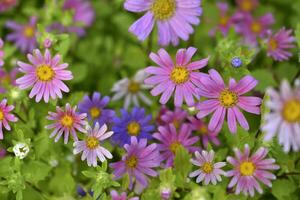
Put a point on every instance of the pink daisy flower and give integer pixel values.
(45, 75)
(247, 6)
(176, 117)
(123, 196)
(181, 77)
(206, 135)
(209, 171)
(174, 19)
(227, 99)
(279, 43)
(6, 116)
(171, 139)
(66, 121)
(248, 170)
(91, 147)
(225, 21)
(7, 4)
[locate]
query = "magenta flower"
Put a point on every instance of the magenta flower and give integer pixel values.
(65, 122)
(225, 21)
(181, 77)
(279, 43)
(247, 6)
(1, 53)
(24, 35)
(2, 152)
(176, 117)
(138, 163)
(91, 147)
(171, 140)
(227, 99)
(45, 75)
(209, 171)
(6, 116)
(248, 170)
(174, 19)
(7, 78)
(7, 4)
(206, 135)
(123, 196)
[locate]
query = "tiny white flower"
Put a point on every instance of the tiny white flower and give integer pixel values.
(53, 162)
(131, 90)
(21, 150)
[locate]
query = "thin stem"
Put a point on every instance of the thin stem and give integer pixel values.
(289, 174)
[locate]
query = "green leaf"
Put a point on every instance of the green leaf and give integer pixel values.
(62, 182)
(182, 166)
(265, 78)
(297, 34)
(283, 188)
(35, 171)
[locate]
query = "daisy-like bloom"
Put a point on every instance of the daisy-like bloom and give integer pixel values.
(65, 122)
(224, 99)
(2, 152)
(6, 116)
(7, 4)
(95, 108)
(21, 150)
(181, 77)
(248, 170)
(1, 53)
(91, 146)
(123, 196)
(284, 117)
(23, 35)
(45, 75)
(209, 171)
(174, 19)
(138, 163)
(225, 21)
(247, 5)
(7, 78)
(134, 123)
(206, 135)
(171, 139)
(131, 90)
(279, 43)
(176, 117)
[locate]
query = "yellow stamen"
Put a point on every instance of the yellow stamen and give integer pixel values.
(228, 98)
(207, 167)
(131, 162)
(45, 72)
(1, 115)
(179, 75)
(291, 111)
(163, 9)
(247, 168)
(223, 21)
(95, 112)
(174, 146)
(273, 44)
(28, 31)
(203, 130)
(92, 142)
(133, 128)
(133, 87)
(67, 121)
(256, 27)
(247, 5)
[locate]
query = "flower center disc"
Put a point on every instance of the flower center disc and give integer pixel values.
(203, 130)
(133, 128)
(131, 162)
(256, 27)
(163, 9)
(67, 121)
(273, 44)
(1, 115)
(45, 73)
(133, 87)
(95, 112)
(228, 98)
(28, 32)
(247, 5)
(207, 167)
(174, 146)
(247, 168)
(179, 75)
(223, 21)
(291, 111)
(92, 142)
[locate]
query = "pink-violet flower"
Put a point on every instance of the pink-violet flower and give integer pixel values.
(176, 117)
(1, 53)
(7, 4)
(7, 79)
(6, 116)
(247, 6)
(225, 20)
(123, 196)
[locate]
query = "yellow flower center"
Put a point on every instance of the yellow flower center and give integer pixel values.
(28, 31)
(174, 146)
(92, 142)
(273, 44)
(203, 130)
(131, 162)
(291, 111)
(207, 167)
(133, 128)
(1, 115)
(223, 21)
(133, 87)
(95, 112)
(45, 73)
(163, 9)
(256, 27)
(247, 168)
(176, 123)
(67, 120)
(228, 98)
(179, 75)
(247, 5)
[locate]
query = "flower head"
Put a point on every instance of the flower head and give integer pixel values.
(7, 79)
(248, 170)
(134, 123)
(171, 139)
(284, 117)
(65, 122)
(173, 18)
(137, 163)
(225, 20)
(176, 117)
(21, 150)
(247, 5)
(6, 116)
(2, 152)
(91, 147)
(95, 108)
(45, 75)
(7, 4)
(24, 35)
(209, 171)
(123, 196)
(236, 62)
(1, 53)
(131, 90)
(279, 43)
(227, 99)
(181, 77)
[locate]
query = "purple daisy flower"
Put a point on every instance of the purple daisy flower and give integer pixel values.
(247, 6)
(225, 21)
(248, 170)
(176, 117)
(138, 163)
(123, 196)
(132, 124)
(6, 116)
(24, 35)
(95, 109)
(209, 171)
(279, 43)
(7, 4)
(171, 139)
(8, 78)
(45, 75)
(174, 18)
(181, 77)
(1, 53)
(91, 147)
(65, 122)
(227, 99)
(204, 133)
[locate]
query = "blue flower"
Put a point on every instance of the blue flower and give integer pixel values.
(236, 62)
(135, 123)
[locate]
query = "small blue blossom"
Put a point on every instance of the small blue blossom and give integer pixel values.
(236, 62)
